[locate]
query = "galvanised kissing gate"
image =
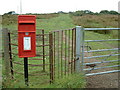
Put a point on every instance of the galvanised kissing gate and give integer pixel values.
(61, 53)
(70, 52)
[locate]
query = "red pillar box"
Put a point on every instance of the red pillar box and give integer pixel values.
(26, 36)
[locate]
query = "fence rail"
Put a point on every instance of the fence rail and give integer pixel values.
(101, 62)
(102, 40)
(101, 50)
(101, 56)
(89, 69)
(100, 73)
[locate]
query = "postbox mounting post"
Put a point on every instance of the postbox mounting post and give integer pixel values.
(26, 70)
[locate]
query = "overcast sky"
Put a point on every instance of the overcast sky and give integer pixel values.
(50, 6)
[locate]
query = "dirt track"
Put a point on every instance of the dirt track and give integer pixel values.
(102, 81)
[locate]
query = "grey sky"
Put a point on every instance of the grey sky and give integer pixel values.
(50, 6)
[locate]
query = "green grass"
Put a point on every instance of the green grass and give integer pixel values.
(59, 22)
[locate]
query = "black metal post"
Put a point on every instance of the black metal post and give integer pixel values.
(26, 70)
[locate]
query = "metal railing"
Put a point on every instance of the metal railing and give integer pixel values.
(101, 29)
(101, 40)
(90, 63)
(101, 50)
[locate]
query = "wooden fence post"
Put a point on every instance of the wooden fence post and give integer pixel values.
(51, 57)
(6, 53)
(79, 37)
(1, 57)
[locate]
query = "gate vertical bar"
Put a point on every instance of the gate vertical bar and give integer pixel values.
(51, 57)
(10, 53)
(54, 52)
(58, 55)
(68, 51)
(78, 49)
(43, 42)
(65, 51)
(82, 32)
(74, 47)
(72, 54)
(61, 54)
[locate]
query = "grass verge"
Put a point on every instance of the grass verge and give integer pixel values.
(71, 81)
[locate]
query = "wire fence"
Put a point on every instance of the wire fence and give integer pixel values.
(55, 56)
(38, 66)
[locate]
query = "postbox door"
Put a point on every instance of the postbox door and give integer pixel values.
(27, 45)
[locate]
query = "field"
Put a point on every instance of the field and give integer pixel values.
(52, 22)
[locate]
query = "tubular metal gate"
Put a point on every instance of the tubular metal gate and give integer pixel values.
(92, 62)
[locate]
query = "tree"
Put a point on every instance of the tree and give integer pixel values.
(61, 12)
(11, 13)
(88, 12)
(109, 12)
(78, 13)
(113, 12)
(104, 12)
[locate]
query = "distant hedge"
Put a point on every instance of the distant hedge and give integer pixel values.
(84, 12)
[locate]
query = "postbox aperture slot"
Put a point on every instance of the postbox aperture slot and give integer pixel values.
(26, 23)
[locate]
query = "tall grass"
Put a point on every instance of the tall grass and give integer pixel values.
(97, 21)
